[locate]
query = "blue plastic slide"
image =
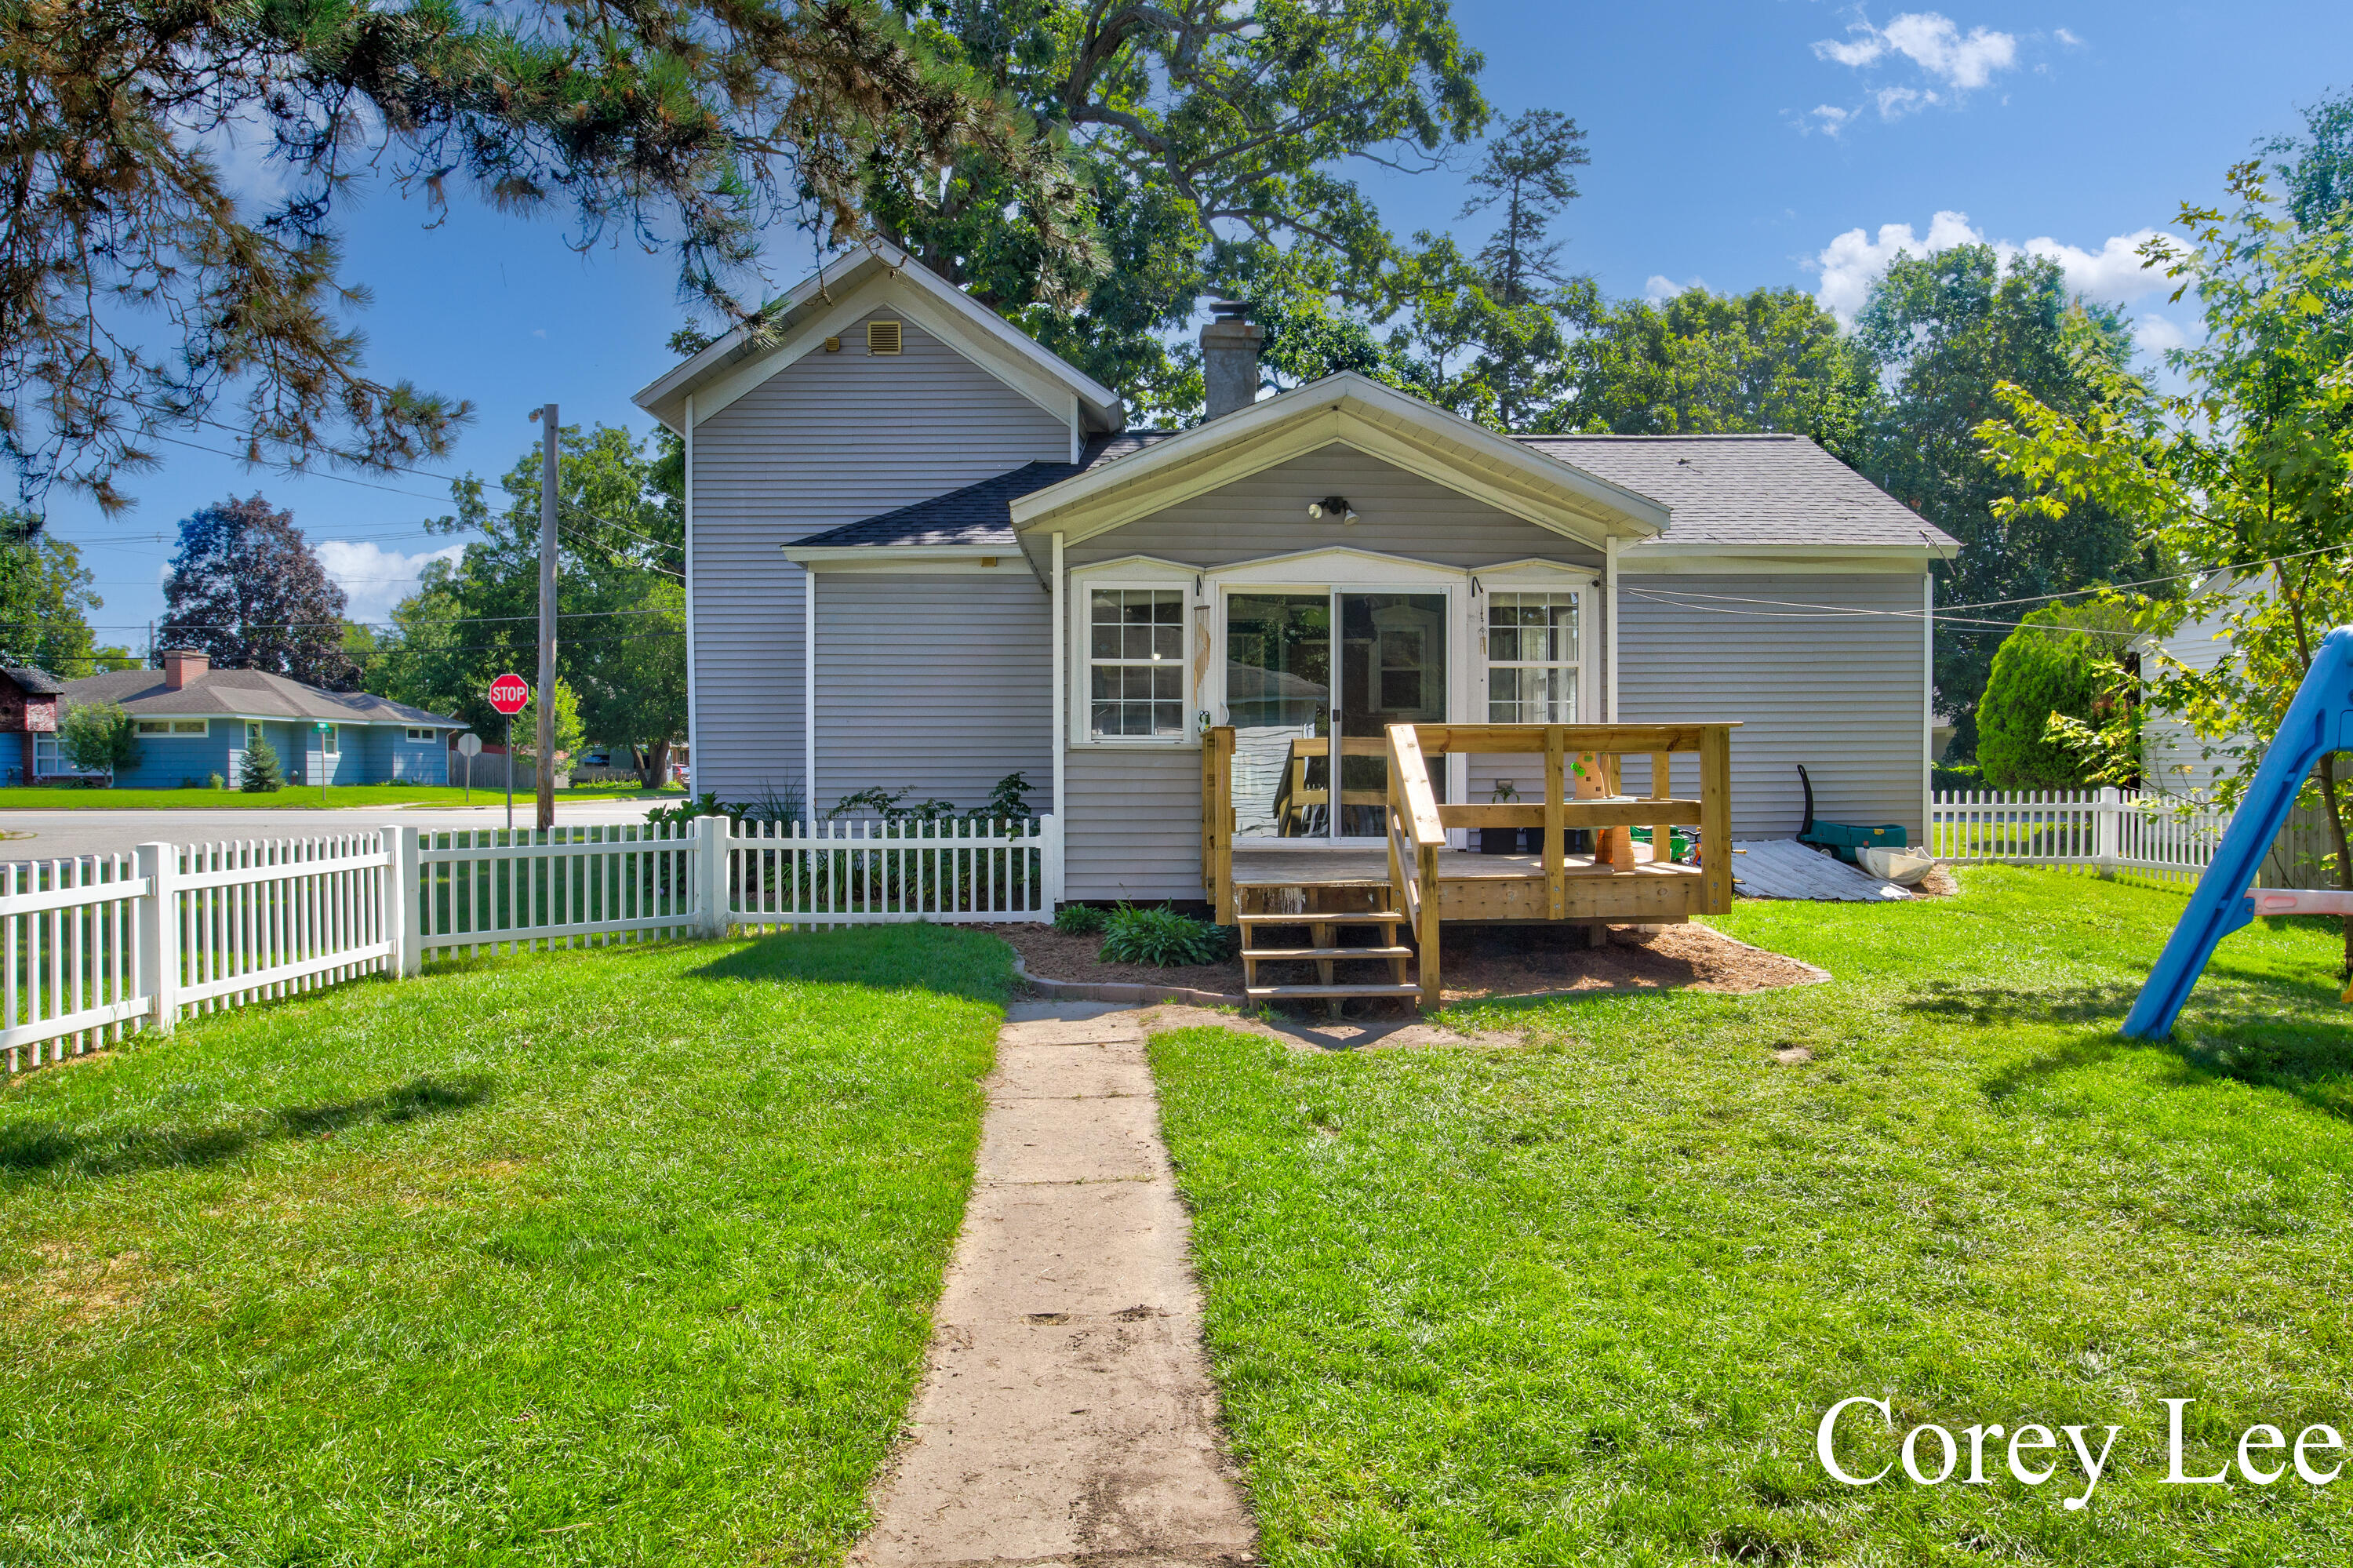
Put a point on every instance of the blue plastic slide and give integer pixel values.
(2319, 720)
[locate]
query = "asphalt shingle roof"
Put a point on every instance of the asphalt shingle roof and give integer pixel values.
(1747, 490)
(33, 683)
(979, 513)
(243, 693)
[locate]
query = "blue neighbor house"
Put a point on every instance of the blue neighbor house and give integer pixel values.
(195, 721)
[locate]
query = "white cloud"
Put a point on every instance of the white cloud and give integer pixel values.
(2155, 336)
(1954, 64)
(2066, 38)
(375, 578)
(1849, 263)
(1660, 288)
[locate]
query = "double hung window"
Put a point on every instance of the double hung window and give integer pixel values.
(1136, 663)
(1531, 657)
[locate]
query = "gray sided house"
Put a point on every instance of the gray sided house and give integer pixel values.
(925, 553)
(194, 721)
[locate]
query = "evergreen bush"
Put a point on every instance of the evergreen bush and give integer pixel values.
(261, 773)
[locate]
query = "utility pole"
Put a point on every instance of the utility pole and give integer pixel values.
(547, 494)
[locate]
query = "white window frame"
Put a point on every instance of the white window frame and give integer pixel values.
(1083, 614)
(174, 728)
(45, 750)
(331, 740)
(422, 737)
(1545, 577)
(1132, 573)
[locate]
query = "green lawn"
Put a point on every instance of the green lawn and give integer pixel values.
(1585, 1300)
(613, 1257)
(300, 797)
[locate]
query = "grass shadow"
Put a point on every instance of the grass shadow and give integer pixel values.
(969, 965)
(31, 1147)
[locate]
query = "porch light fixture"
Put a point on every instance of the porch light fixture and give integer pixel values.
(1333, 506)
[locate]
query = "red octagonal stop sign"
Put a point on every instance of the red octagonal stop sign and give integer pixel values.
(509, 694)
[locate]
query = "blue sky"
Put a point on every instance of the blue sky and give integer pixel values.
(1772, 142)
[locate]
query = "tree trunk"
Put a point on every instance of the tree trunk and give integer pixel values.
(656, 768)
(2328, 767)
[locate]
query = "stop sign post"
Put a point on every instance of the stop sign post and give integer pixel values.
(510, 693)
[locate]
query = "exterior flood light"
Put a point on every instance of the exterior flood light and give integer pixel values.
(1333, 506)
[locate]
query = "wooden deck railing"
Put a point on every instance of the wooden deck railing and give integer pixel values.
(1417, 832)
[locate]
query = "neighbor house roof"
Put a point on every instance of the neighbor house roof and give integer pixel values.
(244, 693)
(1764, 490)
(977, 514)
(31, 681)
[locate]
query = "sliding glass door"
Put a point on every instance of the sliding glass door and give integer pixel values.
(1293, 718)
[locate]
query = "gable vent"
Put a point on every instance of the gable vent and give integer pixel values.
(881, 337)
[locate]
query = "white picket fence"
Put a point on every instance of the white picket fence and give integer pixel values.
(2110, 829)
(96, 947)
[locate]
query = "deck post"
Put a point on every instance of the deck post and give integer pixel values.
(1662, 837)
(1218, 821)
(1425, 938)
(1555, 822)
(1716, 817)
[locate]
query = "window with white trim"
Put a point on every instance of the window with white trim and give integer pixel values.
(330, 739)
(1531, 657)
(46, 758)
(1136, 663)
(423, 737)
(173, 726)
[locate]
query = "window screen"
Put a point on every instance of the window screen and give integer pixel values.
(1532, 641)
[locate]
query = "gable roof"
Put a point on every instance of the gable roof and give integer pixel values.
(32, 682)
(1354, 410)
(989, 340)
(1767, 490)
(243, 693)
(977, 515)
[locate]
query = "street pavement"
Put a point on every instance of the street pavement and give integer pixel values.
(55, 835)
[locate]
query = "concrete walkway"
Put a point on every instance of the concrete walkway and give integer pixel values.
(1066, 1415)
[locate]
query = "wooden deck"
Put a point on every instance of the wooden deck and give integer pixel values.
(1482, 887)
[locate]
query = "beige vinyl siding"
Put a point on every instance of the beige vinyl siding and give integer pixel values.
(1399, 513)
(831, 438)
(1134, 829)
(1839, 693)
(941, 685)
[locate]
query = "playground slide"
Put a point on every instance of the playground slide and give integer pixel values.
(2319, 720)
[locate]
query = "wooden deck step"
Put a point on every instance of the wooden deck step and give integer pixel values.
(1262, 955)
(1324, 917)
(1309, 992)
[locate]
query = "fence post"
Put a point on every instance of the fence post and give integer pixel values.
(2107, 831)
(404, 904)
(1053, 857)
(710, 871)
(159, 934)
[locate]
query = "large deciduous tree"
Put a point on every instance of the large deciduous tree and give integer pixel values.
(2249, 468)
(1705, 364)
(137, 292)
(621, 635)
(45, 604)
(247, 588)
(1945, 330)
(1207, 134)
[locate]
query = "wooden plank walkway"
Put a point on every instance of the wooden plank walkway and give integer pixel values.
(1784, 868)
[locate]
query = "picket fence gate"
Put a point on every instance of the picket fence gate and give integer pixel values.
(95, 946)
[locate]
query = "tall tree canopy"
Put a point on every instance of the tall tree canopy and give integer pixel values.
(1768, 360)
(247, 589)
(1209, 137)
(136, 292)
(2316, 168)
(2251, 466)
(45, 604)
(621, 638)
(1945, 330)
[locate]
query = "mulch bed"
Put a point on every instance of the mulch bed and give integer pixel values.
(1478, 961)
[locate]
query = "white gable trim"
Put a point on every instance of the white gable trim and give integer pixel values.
(985, 337)
(1352, 411)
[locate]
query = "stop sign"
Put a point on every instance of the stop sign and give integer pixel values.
(509, 694)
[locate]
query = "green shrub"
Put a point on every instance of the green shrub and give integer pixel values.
(2060, 662)
(99, 737)
(216, 781)
(1163, 937)
(1079, 919)
(261, 773)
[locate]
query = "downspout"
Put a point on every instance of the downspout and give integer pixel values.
(1927, 704)
(1062, 727)
(694, 753)
(809, 687)
(1610, 596)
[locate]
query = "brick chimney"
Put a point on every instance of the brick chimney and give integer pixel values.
(182, 666)
(1229, 358)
